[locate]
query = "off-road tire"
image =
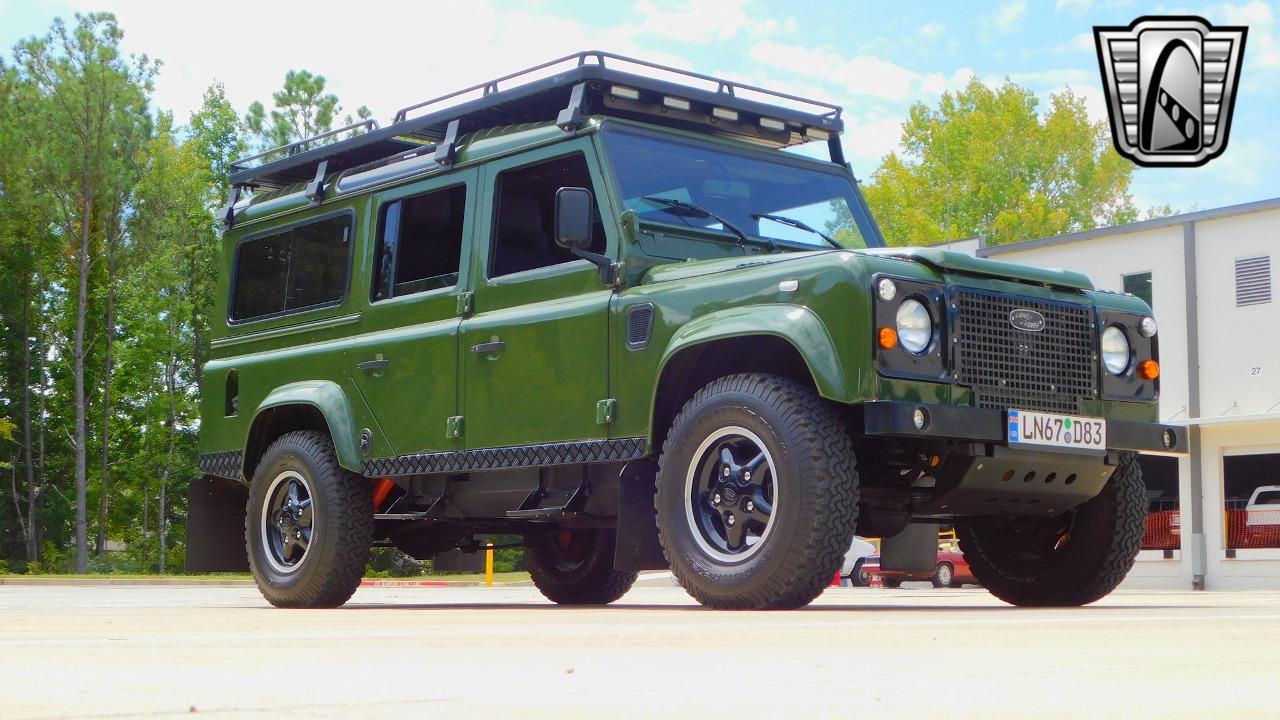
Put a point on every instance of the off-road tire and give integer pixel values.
(342, 505)
(1100, 547)
(891, 583)
(589, 580)
(951, 577)
(817, 503)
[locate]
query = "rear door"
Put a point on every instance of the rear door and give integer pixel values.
(534, 352)
(406, 363)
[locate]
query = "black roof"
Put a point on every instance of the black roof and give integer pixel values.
(550, 91)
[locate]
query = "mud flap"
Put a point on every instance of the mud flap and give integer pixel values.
(914, 550)
(637, 547)
(215, 525)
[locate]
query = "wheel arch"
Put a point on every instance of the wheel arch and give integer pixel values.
(309, 405)
(786, 340)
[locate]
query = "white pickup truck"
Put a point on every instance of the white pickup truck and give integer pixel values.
(1263, 507)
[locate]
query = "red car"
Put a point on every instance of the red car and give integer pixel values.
(952, 570)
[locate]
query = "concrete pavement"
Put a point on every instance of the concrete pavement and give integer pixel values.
(504, 652)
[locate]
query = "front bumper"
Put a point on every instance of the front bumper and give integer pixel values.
(893, 419)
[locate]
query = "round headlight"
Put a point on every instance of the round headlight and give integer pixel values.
(1147, 327)
(915, 326)
(886, 289)
(1115, 350)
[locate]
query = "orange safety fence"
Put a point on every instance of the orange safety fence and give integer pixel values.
(1262, 532)
(1163, 530)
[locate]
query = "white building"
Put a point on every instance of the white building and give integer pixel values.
(1208, 276)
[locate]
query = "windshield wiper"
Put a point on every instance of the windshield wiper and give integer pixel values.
(792, 222)
(680, 208)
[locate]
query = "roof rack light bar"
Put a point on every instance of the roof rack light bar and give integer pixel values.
(294, 148)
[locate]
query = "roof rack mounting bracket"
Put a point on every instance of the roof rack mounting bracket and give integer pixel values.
(570, 118)
(227, 215)
(447, 150)
(315, 188)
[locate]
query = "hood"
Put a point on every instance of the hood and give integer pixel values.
(958, 262)
(695, 268)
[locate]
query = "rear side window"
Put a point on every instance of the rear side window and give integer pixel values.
(420, 243)
(293, 270)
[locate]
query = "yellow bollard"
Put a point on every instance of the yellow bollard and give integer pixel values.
(488, 564)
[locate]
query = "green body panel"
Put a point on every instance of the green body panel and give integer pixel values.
(566, 372)
(958, 262)
(331, 400)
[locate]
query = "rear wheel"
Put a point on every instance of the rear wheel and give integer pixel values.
(576, 567)
(757, 494)
(891, 582)
(944, 577)
(309, 524)
(1072, 559)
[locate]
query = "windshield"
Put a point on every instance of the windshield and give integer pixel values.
(742, 189)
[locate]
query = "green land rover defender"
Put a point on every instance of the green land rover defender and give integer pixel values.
(596, 305)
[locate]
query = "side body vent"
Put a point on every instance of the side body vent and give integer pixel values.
(1253, 280)
(639, 325)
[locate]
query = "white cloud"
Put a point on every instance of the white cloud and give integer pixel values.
(863, 75)
(1262, 48)
(1075, 6)
(696, 21)
(1008, 17)
(1080, 43)
(932, 30)
(385, 59)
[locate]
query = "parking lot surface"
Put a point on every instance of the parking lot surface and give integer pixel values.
(504, 652)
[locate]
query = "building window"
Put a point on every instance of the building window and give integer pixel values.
(1253, 280)
(526, 198)
(1164, 516)
(1252, 493)
(297, 269)
(420, 244)
(1139, 285)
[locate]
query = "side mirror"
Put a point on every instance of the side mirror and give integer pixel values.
(574, 206)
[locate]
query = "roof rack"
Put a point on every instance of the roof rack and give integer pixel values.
(563, 90)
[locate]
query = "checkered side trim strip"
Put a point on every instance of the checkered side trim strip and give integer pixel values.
(225, 464)
(582, 452)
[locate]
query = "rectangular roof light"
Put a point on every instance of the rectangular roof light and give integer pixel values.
(675, 103)
(816, 134)
(771, 124)
(624, 92)
(724, 114)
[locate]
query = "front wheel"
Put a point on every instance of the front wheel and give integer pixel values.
(575, 567)
(309, 524)
(757, 494)
(1072, 559)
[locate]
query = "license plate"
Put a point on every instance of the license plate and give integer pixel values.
(1029, 428)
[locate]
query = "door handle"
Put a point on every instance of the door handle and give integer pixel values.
(374, 365)
(488, 348)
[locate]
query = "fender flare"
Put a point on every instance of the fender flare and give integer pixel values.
(796, 324)
(333, 404)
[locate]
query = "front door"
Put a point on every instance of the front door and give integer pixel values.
(534, 352)
(406, 360)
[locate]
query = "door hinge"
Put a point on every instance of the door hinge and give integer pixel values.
(453, 427)
(606, 411)
(465, 301)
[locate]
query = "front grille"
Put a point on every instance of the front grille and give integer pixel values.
(1051, 370)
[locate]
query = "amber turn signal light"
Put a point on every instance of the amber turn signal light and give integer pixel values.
(888, 338)
(1148, 369)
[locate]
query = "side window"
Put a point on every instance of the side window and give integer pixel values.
(420, 243)
(525, 211)
(292, 270)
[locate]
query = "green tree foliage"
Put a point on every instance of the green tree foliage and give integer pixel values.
(109, 251)
(987, 162)
(302, 109)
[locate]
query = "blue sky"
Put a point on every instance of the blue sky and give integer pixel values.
(875, 59)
